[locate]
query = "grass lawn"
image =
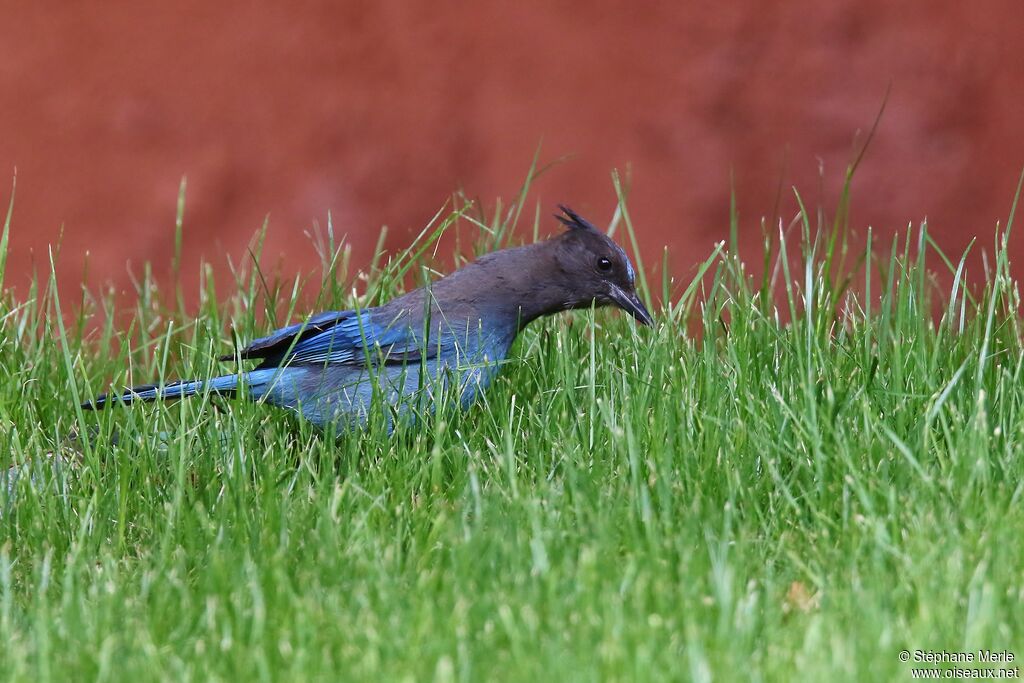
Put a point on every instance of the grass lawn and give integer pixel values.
(791, 478)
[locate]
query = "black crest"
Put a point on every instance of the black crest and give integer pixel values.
(573, 220)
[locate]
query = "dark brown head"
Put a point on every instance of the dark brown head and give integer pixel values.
(597, 270)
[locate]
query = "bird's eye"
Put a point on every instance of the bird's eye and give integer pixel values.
(604, 265)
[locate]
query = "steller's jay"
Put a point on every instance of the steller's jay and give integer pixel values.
(451, 335)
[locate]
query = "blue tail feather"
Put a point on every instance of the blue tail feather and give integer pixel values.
(226, 385)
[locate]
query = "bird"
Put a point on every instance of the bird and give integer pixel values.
(451, 335)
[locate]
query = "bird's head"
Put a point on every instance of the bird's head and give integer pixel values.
(597, 270)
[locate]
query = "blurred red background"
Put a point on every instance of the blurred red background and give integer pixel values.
(377, 111)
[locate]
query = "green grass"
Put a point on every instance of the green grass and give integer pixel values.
(744, 492)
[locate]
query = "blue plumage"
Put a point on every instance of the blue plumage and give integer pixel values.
(333, 376)
(451, 336)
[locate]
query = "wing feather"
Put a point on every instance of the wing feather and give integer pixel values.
(278, 342)
(341, 338)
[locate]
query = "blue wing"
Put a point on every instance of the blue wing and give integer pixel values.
(340, 337)
(351, 341)
(280, 341)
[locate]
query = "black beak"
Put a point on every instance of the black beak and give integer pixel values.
(630, 303)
